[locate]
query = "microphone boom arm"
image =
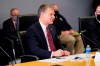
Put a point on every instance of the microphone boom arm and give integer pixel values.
(7, 55)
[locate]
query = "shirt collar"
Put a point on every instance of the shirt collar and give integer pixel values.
(43, 26)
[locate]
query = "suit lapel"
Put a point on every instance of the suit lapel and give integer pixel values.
(12, 24)
(41, 32)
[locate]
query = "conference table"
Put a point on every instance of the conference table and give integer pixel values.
(62, 61)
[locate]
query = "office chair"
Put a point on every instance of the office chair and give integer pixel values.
(3, 56)
(83, 23)
(6, 49)
(23, 23)
(11, 46)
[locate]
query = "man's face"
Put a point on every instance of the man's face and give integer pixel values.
(14, 14)
(97, 12)
(55, 7)
(48, 16)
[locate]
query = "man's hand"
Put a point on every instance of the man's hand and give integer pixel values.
(66, 53)
(57, 53)
(60, 53)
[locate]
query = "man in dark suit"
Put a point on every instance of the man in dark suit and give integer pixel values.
(37, 38)
(9, 29)
(93, 28)
(9, 26)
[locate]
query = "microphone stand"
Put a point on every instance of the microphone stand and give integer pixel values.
(19, 38)
(81, 33)
(12, 48)
(7, 55)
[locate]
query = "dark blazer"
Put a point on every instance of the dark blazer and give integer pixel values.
(93, 29)
(37, 41)
(9, 29)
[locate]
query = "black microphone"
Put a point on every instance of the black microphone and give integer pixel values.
(13, 48)
(7, 55)
(81, 33)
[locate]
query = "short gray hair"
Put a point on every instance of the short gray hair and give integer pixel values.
(43, 8)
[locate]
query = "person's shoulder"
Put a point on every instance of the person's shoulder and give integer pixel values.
(9, 19)
(92, 23)
(34, 26)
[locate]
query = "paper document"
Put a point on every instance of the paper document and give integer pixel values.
(67, 58)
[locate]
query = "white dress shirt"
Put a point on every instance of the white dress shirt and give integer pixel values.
(45, 33)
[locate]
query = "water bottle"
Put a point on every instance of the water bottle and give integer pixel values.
(88, 50)
(88, 56)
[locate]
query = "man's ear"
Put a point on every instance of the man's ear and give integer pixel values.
(42, 13)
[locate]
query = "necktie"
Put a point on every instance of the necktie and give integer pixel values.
(50, 40)
(14, 24)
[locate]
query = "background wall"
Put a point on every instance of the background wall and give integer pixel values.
(70, 9)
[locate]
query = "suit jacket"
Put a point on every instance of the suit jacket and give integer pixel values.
(9, 29)
(37, 42)
(93, 29)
